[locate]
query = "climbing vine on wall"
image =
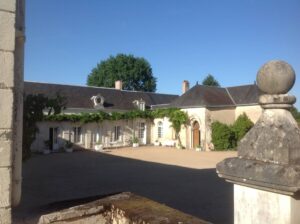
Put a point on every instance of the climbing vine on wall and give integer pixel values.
(35, 106)
(177, 117)
(172, 113)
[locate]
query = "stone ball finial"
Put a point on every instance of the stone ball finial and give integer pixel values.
(275, 77)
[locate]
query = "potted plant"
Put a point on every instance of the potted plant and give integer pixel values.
(98, 146)
(156, 143)
(68, 146)
(135, 142)
(47, 147)
(198, 148)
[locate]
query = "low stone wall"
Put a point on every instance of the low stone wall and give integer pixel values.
(122, 208)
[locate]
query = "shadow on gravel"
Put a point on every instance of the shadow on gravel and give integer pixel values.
(56, 181)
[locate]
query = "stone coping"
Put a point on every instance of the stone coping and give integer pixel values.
(121, 208)
(278, 178)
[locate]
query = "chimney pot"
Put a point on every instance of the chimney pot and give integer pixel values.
(185, 86)
(119, 85)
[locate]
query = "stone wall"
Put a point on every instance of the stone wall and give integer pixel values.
(253, 112)
(120, 208)
(92, 132)
(11, 85)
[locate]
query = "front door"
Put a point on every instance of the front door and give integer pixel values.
(196, 135)
(51, 138)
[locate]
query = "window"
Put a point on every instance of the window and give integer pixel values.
(160, 129)
(77, 134)
(96, 136)
(141, 130)
(139, 104)
(142, 105)
(117, 133)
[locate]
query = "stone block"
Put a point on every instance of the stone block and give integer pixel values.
(5, 187)
(6, 105)
(5, 153)
(7, 34)
(5, 215)
(258, 206)
(8, 5)
(6, 69)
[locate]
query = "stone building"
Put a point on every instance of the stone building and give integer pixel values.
(203, 104)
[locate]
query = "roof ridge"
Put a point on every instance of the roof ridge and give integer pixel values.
(98, 87)
(241, 85)
(230, 95)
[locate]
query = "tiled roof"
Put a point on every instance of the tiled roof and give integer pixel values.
(197, 96)
(243, 95)
(80, 96)
(210, 96)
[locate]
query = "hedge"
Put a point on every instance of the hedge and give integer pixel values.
(226, 137)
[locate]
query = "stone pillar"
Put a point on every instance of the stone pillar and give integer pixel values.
(266, 173)
(11, 84)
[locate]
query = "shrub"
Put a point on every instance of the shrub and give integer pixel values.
(226, 137)
(241, 126)
(222, 136)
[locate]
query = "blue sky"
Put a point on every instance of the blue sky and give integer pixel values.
(184, 39)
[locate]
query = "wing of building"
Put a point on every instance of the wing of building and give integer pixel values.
(203, 104)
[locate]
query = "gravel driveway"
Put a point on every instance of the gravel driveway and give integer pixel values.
(182, 179)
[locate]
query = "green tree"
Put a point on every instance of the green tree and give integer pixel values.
(134, 72)
(210, 81)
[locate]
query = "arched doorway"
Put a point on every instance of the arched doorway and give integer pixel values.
(196, 134)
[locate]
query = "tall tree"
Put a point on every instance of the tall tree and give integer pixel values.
(210, 81)
(134, 72)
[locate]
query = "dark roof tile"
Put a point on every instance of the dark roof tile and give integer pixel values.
(80, 96)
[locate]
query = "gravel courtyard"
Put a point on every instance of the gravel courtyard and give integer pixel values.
(182, 179)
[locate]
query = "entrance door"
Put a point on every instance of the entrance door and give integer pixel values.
(51, 138)
(196, 134)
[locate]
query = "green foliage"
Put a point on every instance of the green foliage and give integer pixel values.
(68, 144)
(56, 105)
(135, 140)
(33, 111)
(176, 116)
(241, 126)
(161, 113)
(135, 73)
(210, 81)
(295, 113)
(226, 137)
(222, 136)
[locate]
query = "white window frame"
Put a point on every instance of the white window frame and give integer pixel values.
(117, 133)
(78, 137)
(160, 129)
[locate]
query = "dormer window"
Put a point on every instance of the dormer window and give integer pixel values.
(139, 104)
(98, 101)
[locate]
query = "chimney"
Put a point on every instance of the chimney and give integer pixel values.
(185, 86)
(119, 85)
